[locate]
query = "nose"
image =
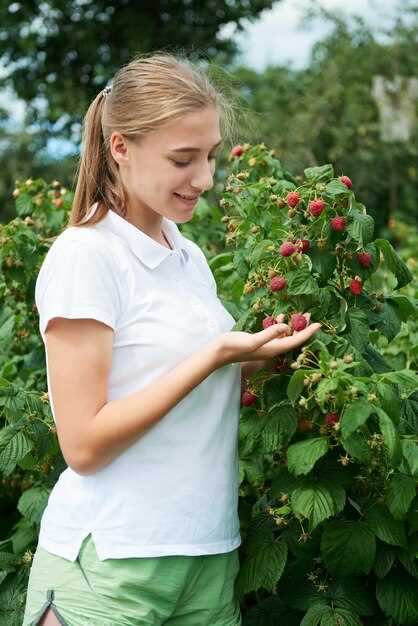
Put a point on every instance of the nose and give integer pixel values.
(203, 178)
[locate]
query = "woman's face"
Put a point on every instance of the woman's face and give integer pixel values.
(176, 160)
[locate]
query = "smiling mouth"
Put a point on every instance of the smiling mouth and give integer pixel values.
(190, 198)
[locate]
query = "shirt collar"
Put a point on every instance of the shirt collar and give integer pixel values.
(149, 251)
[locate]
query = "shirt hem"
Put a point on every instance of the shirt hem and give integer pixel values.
(133, 550)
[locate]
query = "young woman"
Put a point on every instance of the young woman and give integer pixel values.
(144, 372)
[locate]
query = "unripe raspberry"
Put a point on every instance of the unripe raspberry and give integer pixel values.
(348, 358)
(331, 418)
(281, 202)
(269, 321)
(356, 286)
(287, 248)
(316, 207)
(338, 223)
(248, 288)
(237, 151)
(293, 198)
(248, 398)
(364, 258)
(291, 213)
(346, 181)
(321, 243)
(252, 162)
(298, 322)
(278, 283)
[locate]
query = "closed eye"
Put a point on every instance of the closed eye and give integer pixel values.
(184, 163)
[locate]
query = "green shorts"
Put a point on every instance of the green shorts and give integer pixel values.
(172, 590)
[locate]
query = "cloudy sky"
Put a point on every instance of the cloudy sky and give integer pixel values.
(275, 38)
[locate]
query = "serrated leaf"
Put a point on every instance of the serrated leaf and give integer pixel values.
(410, 452)
(361, 228)
(350, 593)
(354, 416)
(17, 448)
(262, 569)
(358, 334)
(386, 527)
(314, 502)
(295, 386)
(406, 378)
(316, 174)
(390, 436)
(301, 282)
(341, 617)
(394, 263)
(32, 503)
(385, 558)
(400, 493)
(356, 446)
(335, 188)
(348, 547)
(302, 456)
(280, 427)
(315, 614)
(397, 595)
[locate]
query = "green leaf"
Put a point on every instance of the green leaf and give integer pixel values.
(224, 258)
(354, 416)
(316, 174)
(314, 502)
(280, 427)
(389, 321)
(358, 334)
(385, 558)
(390, 436)
(350, 593)
(341, 617)
(323, 262)
(400, 493)
(394, 263)
(32, 503)
(335, 188)
(406, 378)
(263, 568)
(407, 307)
(361, 227)
(389, 400)
(260, 251)
(17, 447)
(301, 282)
(410, 452)
(385, 526)
(295, 386)
(397, 595)
(356, 446)
(302, 456)
(315, 614)
(409, 415)
(375, 360)
(348, 547)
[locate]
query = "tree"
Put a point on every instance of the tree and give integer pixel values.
(60, 54)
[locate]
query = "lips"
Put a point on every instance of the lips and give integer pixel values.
(184, 197)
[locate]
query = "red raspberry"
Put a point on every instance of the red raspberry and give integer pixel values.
(338, 223)
(278, 283)
(237, 150)
(356, 286)
(364, 258)
(305, 425)
(303, 245)
(298, 322)
(248, 398)
(332, 418)
(293, 199)
(316, 207)
(287, 248)
(346, 181)
(269, 321)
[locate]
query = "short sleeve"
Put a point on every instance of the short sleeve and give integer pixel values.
(77, 280)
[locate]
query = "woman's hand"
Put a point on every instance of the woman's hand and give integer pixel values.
(236, 346)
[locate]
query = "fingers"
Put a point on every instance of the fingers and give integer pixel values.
(301, 336)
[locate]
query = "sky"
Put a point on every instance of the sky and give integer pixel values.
(275, 38)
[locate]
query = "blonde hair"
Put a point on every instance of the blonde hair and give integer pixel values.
(150, 90)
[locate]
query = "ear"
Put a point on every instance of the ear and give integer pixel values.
(119, 148)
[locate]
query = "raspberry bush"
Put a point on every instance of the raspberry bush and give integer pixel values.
(329, 445)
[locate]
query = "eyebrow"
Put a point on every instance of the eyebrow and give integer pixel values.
(191, 149)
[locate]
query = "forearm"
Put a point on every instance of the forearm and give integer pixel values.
(121, 422)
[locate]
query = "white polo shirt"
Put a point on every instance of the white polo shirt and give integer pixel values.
(175, 490)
